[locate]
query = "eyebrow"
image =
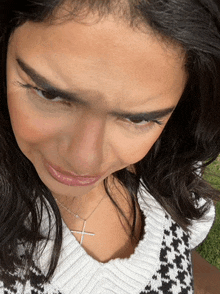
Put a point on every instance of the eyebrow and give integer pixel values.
(47, 86)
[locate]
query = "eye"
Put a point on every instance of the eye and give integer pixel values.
(138, 122)
(143, 122)
(46, 95)
(142, 125)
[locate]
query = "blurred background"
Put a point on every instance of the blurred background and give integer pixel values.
(210, 248)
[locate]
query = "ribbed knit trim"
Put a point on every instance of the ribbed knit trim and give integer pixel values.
(200, 228)
(79, 273)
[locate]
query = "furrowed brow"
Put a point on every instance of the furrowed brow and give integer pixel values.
(148, 116)
(47, 86)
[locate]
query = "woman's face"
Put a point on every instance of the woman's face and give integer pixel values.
(117, 90)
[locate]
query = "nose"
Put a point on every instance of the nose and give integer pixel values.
(85, 144)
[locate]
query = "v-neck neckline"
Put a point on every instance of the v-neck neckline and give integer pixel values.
(78, 272)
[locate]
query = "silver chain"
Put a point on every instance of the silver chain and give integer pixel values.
(76, 215)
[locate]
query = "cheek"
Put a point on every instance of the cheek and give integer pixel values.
(136, 150)
(33, 131)
(29, 128)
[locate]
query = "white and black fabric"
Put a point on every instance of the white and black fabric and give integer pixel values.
(161, 263)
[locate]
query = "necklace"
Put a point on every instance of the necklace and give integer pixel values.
(84, 220)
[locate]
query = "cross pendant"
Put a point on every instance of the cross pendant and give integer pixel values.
(83, 233)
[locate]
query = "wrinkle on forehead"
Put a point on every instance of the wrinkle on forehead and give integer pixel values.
(110, 52)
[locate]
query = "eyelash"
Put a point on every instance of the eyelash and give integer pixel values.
(133, 124)
(146, 125)
(28, 86)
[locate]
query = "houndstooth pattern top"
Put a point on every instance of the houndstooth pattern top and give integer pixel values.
(161, 263)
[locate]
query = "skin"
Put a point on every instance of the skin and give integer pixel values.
(113, 67)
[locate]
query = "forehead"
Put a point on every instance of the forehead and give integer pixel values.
(94, 55)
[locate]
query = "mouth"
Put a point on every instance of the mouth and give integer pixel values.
(70, 178)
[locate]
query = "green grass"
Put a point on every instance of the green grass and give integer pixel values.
(210, 248)
(212, 174)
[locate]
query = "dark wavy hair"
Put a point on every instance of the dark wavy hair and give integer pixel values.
(170, 169)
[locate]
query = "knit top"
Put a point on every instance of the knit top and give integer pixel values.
(161, 262)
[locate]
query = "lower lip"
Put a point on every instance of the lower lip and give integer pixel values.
(70, 180)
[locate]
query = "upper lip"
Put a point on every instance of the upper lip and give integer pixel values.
(68, 173)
